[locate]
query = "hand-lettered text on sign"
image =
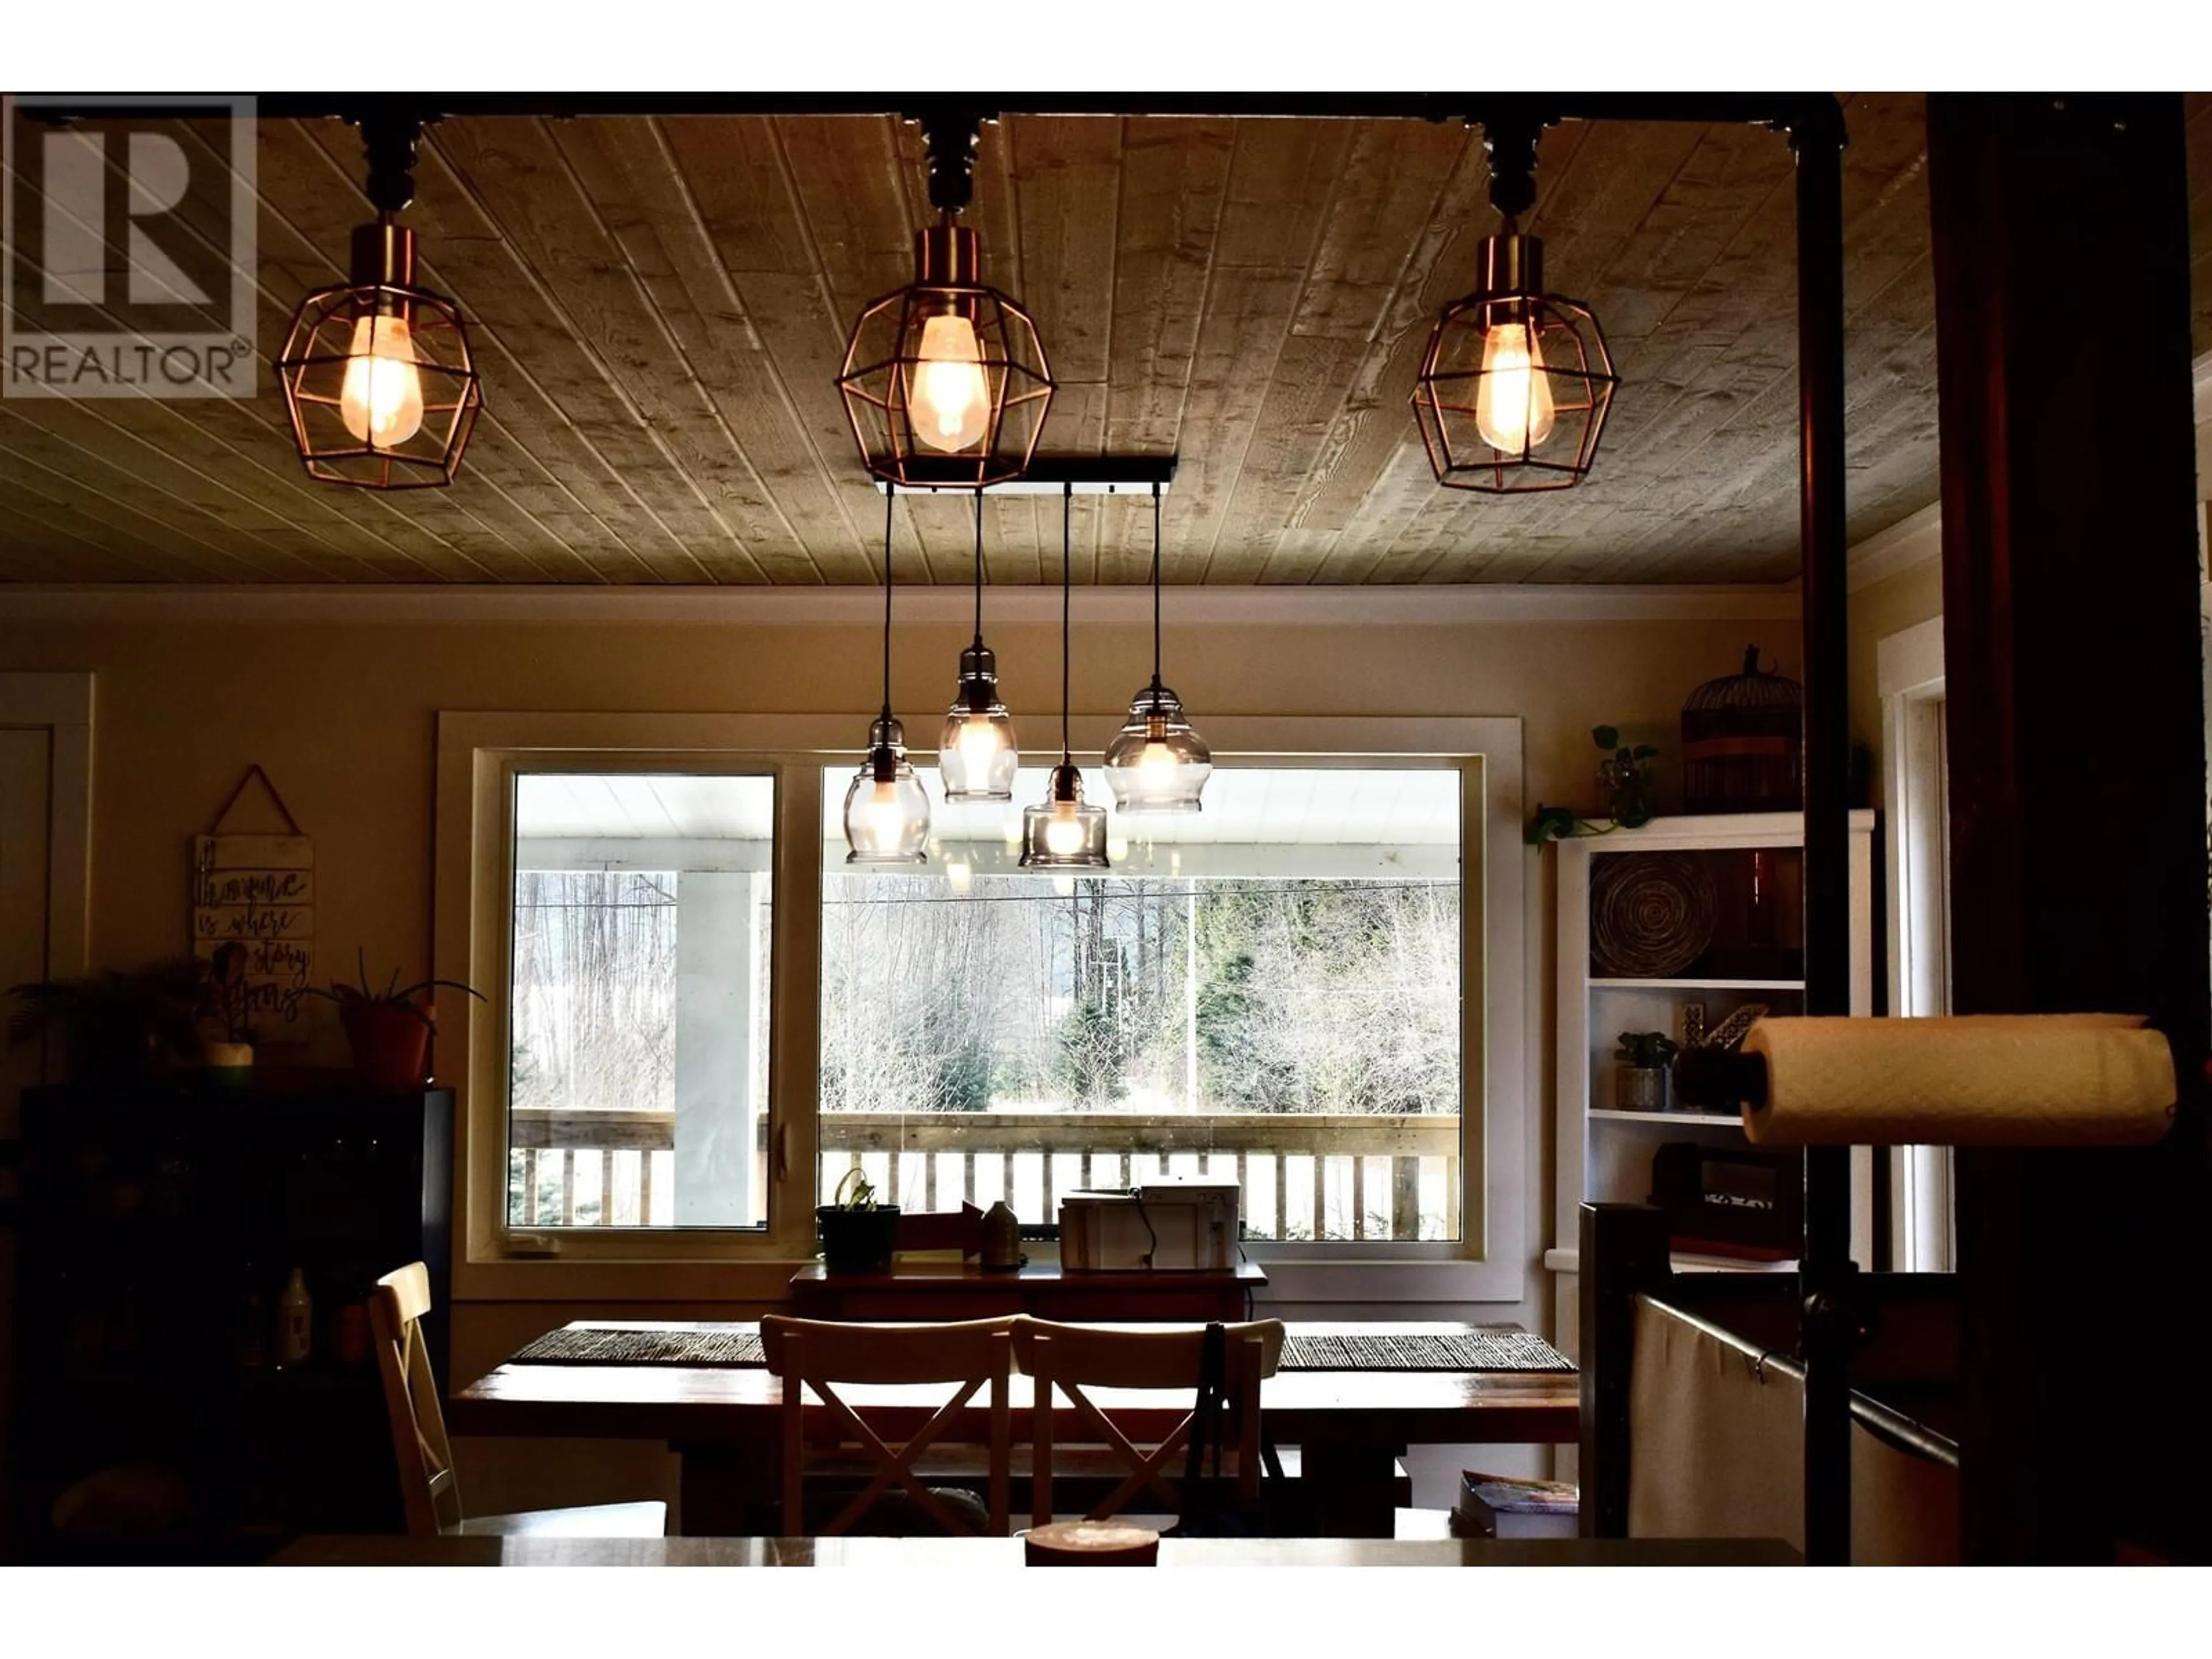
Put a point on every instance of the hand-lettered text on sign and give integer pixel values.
(258, 891)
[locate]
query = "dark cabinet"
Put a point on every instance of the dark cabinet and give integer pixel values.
(155, 1414)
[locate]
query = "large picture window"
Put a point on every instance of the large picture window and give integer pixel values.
(1268, 991)
(698, 1018)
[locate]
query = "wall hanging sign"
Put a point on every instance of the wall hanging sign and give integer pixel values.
(258, 890)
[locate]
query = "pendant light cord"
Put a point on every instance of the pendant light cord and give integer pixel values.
(979, 565)
(1066, 556)
(1155, 588)
(891, 494)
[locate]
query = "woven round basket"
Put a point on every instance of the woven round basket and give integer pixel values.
(1651, 913)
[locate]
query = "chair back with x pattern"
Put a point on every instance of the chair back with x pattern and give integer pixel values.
(428, 1486)
(1073, 1357)
(820, 1356)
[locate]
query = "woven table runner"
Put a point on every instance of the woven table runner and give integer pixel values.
(1423, 1351)
(604, 1347)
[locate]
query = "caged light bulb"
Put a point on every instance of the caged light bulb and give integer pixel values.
(1513, 406)
(381, 399)
(948, 397)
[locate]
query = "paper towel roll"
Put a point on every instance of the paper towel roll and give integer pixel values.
(1972, 1080)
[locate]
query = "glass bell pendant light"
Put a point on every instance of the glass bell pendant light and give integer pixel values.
(1062, 833)
(1157, 763)
(886, 808)
(976, 755)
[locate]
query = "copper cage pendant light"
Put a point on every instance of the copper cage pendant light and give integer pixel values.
(976, 755)
(1516, 383)
(1062, 833)
(886, 808)
(1157, 763)
(380, 387)
(945, 381)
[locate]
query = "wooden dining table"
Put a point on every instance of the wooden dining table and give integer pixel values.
(722, 1421)
(999, 1554)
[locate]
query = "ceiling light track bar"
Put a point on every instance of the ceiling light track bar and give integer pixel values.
(1058, 475)
(1795, 112)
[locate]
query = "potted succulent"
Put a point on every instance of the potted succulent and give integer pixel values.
(1640, 1077)
(389, 1032)
(858, 1233)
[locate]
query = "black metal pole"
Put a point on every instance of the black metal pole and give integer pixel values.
(1824, 1267)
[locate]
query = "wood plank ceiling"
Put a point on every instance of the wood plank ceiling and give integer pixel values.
(660, 305)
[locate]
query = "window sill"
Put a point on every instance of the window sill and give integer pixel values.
(1298, 1281)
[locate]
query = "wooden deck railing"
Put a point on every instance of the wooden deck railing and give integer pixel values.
(1364, 1176)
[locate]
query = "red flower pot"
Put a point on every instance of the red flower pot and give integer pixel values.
(390, 1044)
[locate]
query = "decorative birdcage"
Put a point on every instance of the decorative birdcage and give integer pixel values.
(1742, 742)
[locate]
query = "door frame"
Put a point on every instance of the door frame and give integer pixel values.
(61, 705)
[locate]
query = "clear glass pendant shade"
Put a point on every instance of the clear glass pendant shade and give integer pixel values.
(1156, 762)
(976, 755)
(1062, 833)
(886, 808)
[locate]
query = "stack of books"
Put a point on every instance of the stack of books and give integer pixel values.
(1506, 1506)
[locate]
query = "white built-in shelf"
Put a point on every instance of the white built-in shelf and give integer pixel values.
(1721, 1120)
(1697, 984)
(1605, 1154)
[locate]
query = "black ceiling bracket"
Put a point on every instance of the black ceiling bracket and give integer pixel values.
(950, 133)
(1511, 130)
(390, 137)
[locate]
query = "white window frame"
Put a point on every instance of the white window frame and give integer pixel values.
(1909, 675)
(479, 754)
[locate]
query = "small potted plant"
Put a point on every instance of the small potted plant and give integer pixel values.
(389, 1032)
(1631, 795)
(1625, 778)
(858, 1233)
(224, 1017)
(1640, 1079)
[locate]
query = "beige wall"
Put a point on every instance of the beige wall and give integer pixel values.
(342, 715)
(1912, 596)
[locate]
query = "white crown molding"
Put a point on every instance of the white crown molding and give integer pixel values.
(1285, 606)
(1910, 541)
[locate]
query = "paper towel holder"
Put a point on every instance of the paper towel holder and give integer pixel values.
(1720, 1078)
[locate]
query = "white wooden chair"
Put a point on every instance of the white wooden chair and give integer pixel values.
(1071, 1359)
(425, 1456)
(819, 1356)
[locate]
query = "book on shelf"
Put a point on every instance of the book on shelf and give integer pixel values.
(1511, 1506)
